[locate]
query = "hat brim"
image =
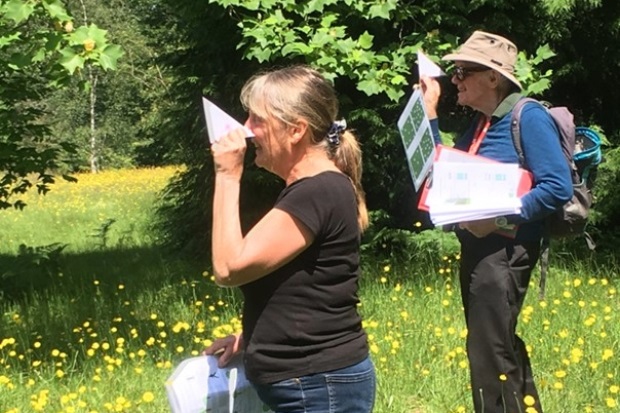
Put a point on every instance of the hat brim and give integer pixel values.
(483, 62)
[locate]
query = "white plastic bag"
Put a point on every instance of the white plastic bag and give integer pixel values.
(198, 385)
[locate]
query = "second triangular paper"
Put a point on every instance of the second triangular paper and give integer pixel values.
(426, 67)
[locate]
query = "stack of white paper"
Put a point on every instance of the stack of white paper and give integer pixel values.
(469, 191)
(467, 187)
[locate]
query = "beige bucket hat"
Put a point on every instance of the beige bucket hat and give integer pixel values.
(489, 50)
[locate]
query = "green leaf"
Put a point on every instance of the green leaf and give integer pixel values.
(317, 6)
(109, 56)
(259, 53)
(18, 61)
(328, 20)
(56, 10)
(71, 61)
(53, 41)
(91, 32)
(6, 40)
(381, 10)
(544, 52)
(251, 4)
(39, 56)
(327, 61)
(296, 48)
(321, 39)
(394, 94)
(538, 87)
(370, 86)
(398, 80)
(365, 41)
(17, 10)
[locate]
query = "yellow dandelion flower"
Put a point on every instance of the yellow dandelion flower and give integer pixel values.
(148, 397)
(529, 400)
(502, 377)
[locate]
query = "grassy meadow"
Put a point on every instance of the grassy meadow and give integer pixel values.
(94, 315)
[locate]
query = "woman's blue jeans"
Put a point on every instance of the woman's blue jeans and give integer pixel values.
(347, 390)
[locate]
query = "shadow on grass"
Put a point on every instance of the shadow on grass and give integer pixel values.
(48, 269)
(69, 301)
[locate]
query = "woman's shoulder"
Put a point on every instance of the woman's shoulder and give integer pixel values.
(324, 179)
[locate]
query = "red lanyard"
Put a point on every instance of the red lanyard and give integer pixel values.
(481, 131)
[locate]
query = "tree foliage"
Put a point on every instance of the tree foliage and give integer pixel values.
(176, 51)
(368, 49)
(119, 126)
(39, 51)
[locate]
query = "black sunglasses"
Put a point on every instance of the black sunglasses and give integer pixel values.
(462, 72)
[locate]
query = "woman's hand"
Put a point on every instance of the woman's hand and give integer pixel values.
(228, 153)
(228, 347)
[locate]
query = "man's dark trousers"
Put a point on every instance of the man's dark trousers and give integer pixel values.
(494, 276)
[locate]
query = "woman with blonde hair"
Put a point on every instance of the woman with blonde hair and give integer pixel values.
(303, 344)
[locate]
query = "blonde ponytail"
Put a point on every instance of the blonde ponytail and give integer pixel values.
(348, 158)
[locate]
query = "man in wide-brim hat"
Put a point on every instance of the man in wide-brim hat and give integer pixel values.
(499, 254)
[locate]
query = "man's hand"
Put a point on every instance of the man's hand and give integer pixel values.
(431, 90)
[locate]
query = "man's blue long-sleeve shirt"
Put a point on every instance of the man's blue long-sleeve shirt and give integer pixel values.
(552, 186)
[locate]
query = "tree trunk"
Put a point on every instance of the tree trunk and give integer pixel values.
(94, 154)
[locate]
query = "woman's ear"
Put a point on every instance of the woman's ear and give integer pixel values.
(298, 130)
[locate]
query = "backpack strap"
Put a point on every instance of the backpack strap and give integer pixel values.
(515, 127)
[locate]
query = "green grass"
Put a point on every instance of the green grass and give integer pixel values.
(99, 326)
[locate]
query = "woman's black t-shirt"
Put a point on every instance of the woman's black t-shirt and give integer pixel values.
(302, 318)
